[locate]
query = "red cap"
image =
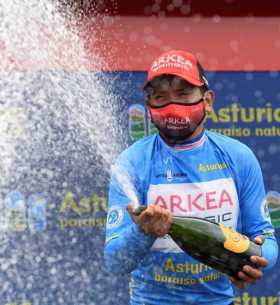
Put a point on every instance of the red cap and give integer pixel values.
(180, 63)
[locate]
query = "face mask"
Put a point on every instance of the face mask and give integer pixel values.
(177, 122)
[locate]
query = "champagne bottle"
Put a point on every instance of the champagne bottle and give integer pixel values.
(211, 243)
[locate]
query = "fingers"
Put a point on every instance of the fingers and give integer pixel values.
(153, 220)
(259, 240)
(134, 214)
(148, 213)
(161, 214)
(259, 261)
(130, 208)
(250, 274)
(155, 213)
(163, 222)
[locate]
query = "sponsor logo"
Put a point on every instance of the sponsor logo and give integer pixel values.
(140, 124)
(195, 199)
(211, 167)
(271, 208)
(176, 120)
(21, 214)
(265, 210)
(175, 175)
(246, 298)
(137, 121)
(171, 61)
(37, 212)
(115, 216)
(86, 212)
(15, 208)
(190, 203)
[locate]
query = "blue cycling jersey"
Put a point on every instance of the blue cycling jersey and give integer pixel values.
(212, 177)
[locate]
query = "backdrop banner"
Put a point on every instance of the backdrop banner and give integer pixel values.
(56, 169)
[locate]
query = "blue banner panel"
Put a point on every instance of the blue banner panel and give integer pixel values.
(60, 133)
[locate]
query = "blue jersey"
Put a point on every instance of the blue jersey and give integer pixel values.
(212, 177)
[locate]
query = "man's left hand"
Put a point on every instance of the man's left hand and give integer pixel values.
(251, 274)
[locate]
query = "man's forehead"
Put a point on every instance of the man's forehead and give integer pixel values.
(166, 81)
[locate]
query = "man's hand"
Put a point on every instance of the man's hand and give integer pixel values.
(250, 274)
(154, 220)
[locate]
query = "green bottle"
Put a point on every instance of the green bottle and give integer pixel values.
(211, 243)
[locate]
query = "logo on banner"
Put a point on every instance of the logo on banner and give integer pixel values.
(271, 208)
(85, 212)
(137, 121)
(21, 213)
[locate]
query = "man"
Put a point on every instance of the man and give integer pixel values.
(165, 173)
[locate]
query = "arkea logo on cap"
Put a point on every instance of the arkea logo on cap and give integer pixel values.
(179, 63)
(170, 61)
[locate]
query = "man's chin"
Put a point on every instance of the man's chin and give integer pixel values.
(175, 137)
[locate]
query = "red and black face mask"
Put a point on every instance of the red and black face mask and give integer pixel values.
(177, 121)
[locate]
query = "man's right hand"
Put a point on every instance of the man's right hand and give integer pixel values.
(154, 220)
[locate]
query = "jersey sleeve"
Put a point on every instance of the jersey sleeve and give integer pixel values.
(126, 245)
(254, 211)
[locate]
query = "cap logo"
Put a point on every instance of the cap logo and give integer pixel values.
(171, 61)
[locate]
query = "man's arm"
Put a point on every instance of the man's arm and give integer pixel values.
(255, 219)
(125, 248)
(126, 245)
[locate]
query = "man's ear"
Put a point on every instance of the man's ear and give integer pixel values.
(209, 101)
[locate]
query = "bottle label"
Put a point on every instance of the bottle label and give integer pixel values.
(234, 241)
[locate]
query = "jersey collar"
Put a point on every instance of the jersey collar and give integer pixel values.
(189, 144)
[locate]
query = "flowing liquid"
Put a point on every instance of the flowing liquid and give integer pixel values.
(126, 184)
(35, 105)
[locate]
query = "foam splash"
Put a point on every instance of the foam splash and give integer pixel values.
(125, 181)
(58, 124)
(35, 36)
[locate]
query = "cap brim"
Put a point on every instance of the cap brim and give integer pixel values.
(189, 79)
